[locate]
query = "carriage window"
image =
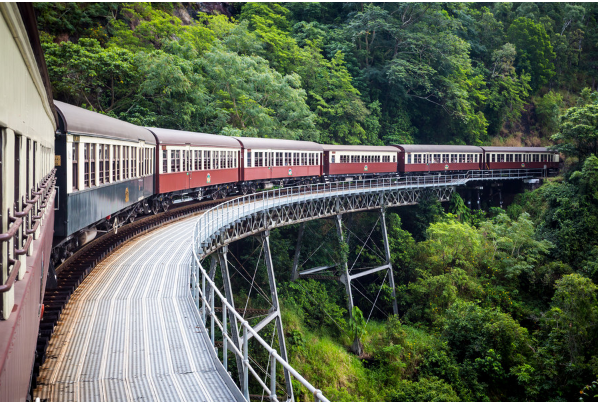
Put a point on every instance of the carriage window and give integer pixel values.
(107, 158)
(215, 159)
(470, 158)
(86, 165)
(500, 157)
(417, 158)
(230, 159)
(165, 162)
(134, 162)
(93, 165)
(178, 162)
(75, 172)
(222, 166)
(172, 160)
(509, 157)
(100, 164)
(206, 161)
(35, 149)
(125, 162)
(278, 159)
(258, 157)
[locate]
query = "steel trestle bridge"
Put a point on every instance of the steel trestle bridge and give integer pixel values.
(258, 213)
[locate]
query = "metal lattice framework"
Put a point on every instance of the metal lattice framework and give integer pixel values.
(259, 212)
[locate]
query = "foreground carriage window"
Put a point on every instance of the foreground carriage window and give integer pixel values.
(106, 163)
(75, 171)
(93, 164)
(86, 166)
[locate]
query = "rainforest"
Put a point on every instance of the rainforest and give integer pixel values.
(495, 304)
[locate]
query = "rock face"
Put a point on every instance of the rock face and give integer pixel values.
(189, 11)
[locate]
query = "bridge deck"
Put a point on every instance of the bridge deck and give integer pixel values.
(131, 332)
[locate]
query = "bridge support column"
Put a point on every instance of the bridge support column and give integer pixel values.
(276, 309)
(395, 308)
(212, 269)
(299, 240)
(345, 278)
(225, 274)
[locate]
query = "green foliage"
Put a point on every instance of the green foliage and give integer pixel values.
(85, 73)
(534, 50)
(424, 390)
(318, 308)
(548, 112)
(578, 134)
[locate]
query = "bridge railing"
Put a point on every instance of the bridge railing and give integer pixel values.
(224, 214)
(216, 218)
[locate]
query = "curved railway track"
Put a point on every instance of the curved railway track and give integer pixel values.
(75, 269)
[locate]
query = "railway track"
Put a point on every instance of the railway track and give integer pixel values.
(74, 270)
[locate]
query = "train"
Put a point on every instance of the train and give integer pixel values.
(110, 171)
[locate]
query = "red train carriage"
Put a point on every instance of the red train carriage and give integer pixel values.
(200, 163)
(421, 159)
(267, 162)
(520, 158)
(366, 161)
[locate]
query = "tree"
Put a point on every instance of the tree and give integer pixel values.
(578, 136)
(85, 73)
(256, 100)
(534, 50)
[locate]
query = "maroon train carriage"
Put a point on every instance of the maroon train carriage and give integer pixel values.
(520, 158)
(341, 162)
(420, 159)
(269, 162)
(196, 163)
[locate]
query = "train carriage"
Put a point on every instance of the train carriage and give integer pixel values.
(520, 158)
(27, 125)
(420, 159)
(105, 170)
(267, 162)
(200, 164)
(342, 161)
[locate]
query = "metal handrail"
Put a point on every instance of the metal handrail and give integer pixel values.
(216, 218)
(247, 328)
(25, 216)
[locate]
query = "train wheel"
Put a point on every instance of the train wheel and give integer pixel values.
(165, 205)
(215, 194)
(223, 193)
(156, 207)
(115, 224)
(244, 189)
